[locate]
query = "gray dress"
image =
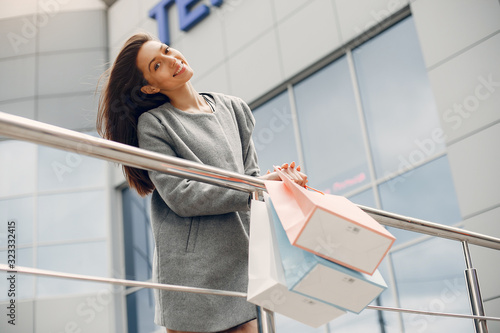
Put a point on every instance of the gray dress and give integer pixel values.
(200, 230)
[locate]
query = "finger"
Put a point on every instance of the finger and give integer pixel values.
(302, 177)
(268, 172)
(293, 175)
(292, 165)
(285, 166)
(297, 168)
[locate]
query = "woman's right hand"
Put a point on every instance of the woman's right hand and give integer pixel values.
(291, 170)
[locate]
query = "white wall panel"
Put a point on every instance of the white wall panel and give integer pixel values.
(492, 308)
(88, 313)
(356, 17)
(474, 164)
(70, 72)
(24, 108)
(18, 36)
(307, 36)
(17, 78)
(283, 8)
(86, 31)
(75, 112)
(123, 17)
(17, 8)
(467, 89)
(448, 26)
(25, 310)
(80, 5)
(244, 21)
(216, 80)
(255, 69)
(483, 258)
(203, 47)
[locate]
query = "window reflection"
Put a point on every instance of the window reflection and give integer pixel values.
(72, 216)
(430, 277)
(59, 169)
(19, 210)
(140, 312)
(330, 129)
(364, 198)
(397, 100)
(426, 193)
(137, 236)
(17, 168)
(273, 135)
(90, 258)
(25, 283)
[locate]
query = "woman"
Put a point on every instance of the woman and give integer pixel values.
(200, 230)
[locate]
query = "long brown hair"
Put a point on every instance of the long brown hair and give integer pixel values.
(121, 102)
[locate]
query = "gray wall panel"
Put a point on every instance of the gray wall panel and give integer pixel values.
(70, 72)
(74, 30)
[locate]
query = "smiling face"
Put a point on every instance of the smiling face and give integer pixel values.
(165, 68)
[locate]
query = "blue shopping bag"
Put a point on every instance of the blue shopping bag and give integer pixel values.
(321, 279)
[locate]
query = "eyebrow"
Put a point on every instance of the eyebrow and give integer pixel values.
(149, 66)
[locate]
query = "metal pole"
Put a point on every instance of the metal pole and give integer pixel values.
(476, 301)
(266, 320)
(266, 315)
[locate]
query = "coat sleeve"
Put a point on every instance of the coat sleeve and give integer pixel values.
(184, 196)
(246, 130)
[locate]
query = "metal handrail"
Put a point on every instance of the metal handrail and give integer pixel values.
(40, 133)
(170, 287)
(60, 138)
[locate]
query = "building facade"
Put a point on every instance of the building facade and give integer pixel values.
(394, 104)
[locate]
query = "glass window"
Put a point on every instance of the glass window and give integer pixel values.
(72, 216)
(19, 210)
(426, 193)
(140, 312)
(59, 169)
(285, 324)
(366, 321)
(90, 258)
(332, 140)
(138, 236)
(398, 104)
(430, 277)
(18, 168)
(273, 135)
(25, 283)
(364, 198)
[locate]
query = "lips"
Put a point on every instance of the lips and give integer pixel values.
(180, 69)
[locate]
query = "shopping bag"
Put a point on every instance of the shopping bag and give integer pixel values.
(324, 280)
(329, 226)
(266, 280)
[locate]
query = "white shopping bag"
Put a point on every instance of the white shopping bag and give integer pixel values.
(324, 280)
(266, 284)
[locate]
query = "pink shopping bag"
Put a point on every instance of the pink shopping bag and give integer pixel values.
(329, 226)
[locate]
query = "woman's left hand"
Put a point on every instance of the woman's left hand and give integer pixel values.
(291, 170)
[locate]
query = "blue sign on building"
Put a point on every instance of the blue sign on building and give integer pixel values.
(189, 15)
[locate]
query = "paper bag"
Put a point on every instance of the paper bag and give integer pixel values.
(266, 283)
(329, 226)
(324, 280)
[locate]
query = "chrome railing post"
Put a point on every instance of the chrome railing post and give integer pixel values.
(265, 320)
(476, 302)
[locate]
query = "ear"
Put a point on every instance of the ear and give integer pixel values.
(149, 89)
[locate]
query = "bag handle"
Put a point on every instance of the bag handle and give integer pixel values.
(299, 193)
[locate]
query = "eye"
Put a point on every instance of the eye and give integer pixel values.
(167, 48)
(157, 65)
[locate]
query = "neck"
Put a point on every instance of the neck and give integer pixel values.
(187, 99)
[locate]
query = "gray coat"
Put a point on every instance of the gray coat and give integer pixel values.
(200, 230)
